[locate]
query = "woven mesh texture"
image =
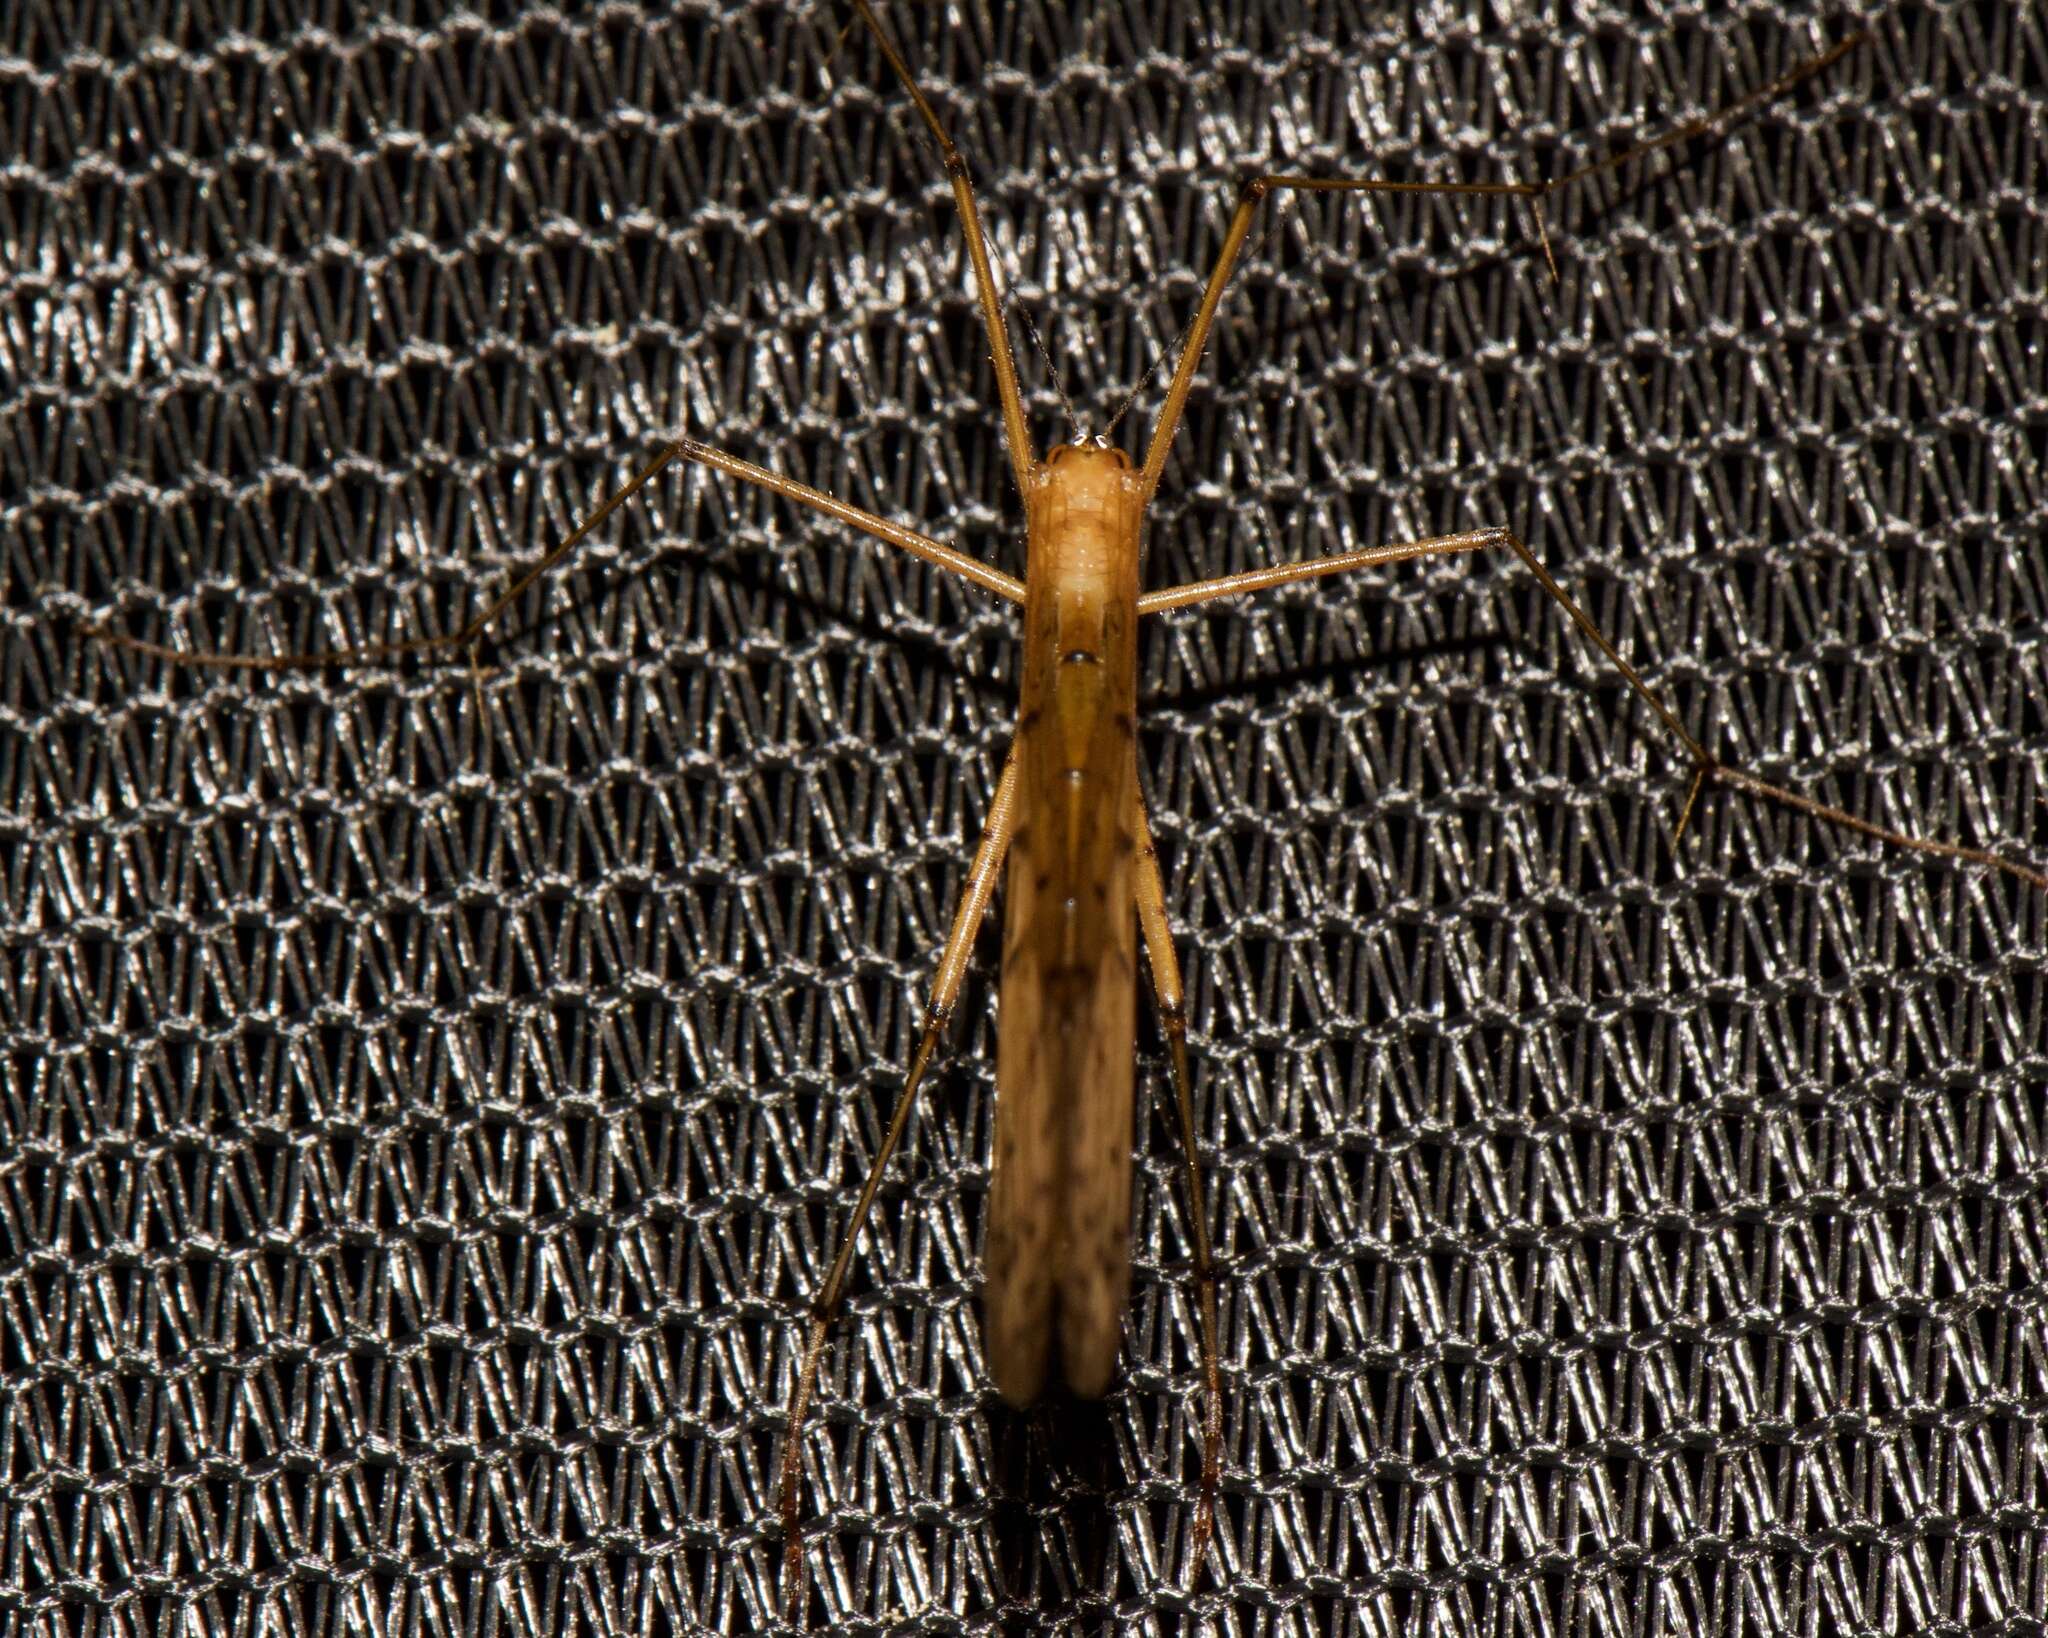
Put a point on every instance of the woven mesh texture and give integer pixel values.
(428, 1097)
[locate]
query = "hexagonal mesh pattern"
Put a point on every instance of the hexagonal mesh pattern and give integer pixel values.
(431, 1093)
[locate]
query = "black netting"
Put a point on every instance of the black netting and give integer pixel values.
(428, 1096)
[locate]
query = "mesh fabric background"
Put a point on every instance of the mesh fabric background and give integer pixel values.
(428, 1099)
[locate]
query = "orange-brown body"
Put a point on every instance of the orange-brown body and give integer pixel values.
(1060, 1202)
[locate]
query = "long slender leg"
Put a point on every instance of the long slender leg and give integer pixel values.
(1173, 1023)
(1015, 433)
(1282, 574)
(898, 535)
(1706, 766)
(1259, 186)
(974, 897)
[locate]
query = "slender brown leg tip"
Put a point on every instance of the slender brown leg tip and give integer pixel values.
(792, 1522)
(108, 637)
(1692, 796)
(793, 1578)
(1204, 1537)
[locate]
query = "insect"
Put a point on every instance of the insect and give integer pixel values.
(1067, 808)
